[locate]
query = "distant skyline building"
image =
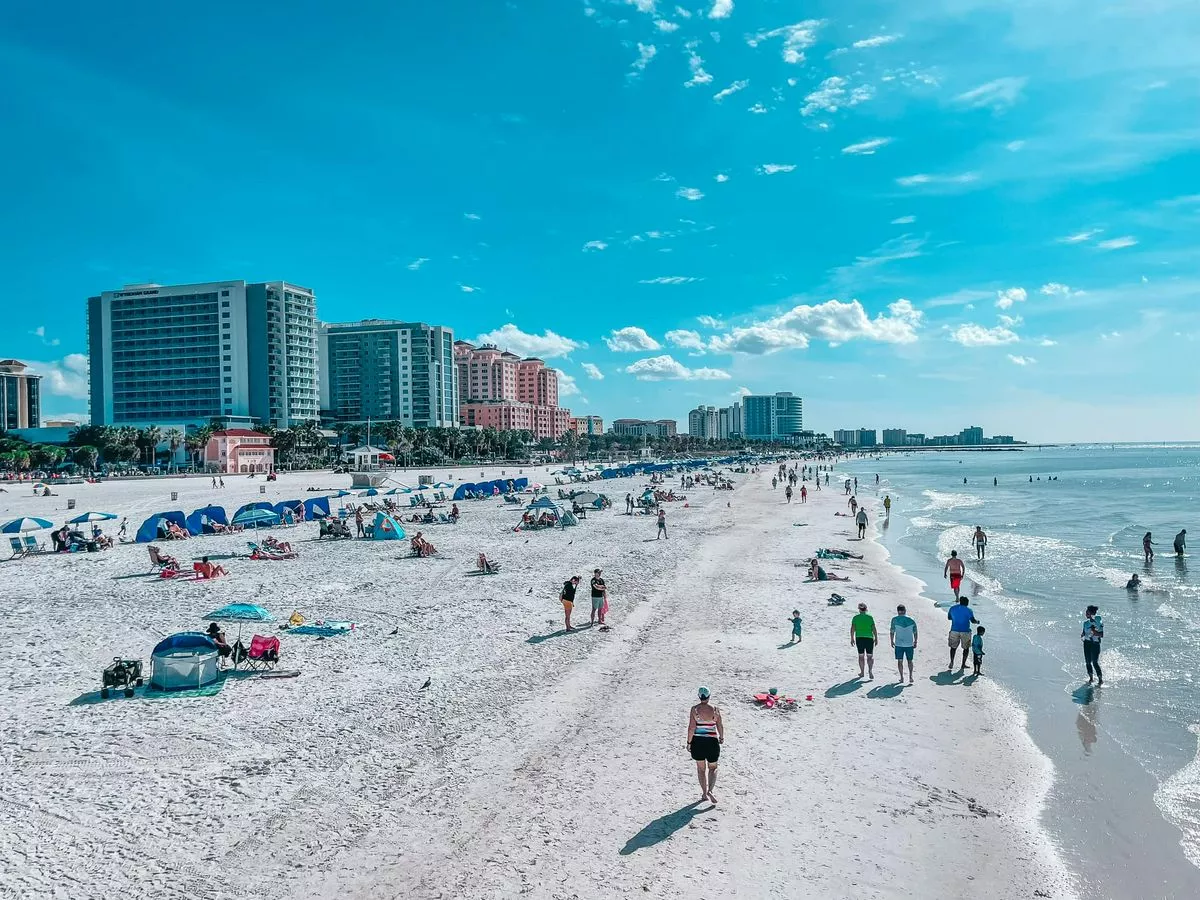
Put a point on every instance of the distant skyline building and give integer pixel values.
(389, 371)
(587, 425)
(186, 354)
(660, 428)
(772, 417)
(704, 422)
(971, 436)
(498, 389)
(20, 396)
(729, 422)
(894, 437)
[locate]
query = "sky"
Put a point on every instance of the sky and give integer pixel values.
(926, 215)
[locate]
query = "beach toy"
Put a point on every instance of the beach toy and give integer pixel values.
(809, 698)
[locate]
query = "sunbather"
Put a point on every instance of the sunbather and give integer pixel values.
(422, 547)
(486, 566)
(276, 546)
(816, 573)
(210, 570)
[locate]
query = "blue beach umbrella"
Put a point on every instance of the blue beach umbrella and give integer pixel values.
(369, 492)
(340, 493)
(256, 518)
(25, 523)
(240, 612)
(92, 517)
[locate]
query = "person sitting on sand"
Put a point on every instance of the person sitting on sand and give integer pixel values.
(705, 735)
(816, 573)
(454, 513)
(422, 547)
(276, 546)
(176, 532)
(209, 570)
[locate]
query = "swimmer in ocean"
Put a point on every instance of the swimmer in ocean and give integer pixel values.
(1133, 583)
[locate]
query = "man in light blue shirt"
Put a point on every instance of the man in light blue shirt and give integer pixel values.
(961, 619)
(904, 641)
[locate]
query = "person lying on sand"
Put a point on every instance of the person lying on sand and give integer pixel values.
(816, 573)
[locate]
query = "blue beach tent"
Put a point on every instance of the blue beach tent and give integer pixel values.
(386, 528)
(316, 507)
(149, 530)
(197, 519)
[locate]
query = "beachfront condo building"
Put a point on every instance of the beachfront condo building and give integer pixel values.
(895, 437)
(186, 354)
(587, 425)
(773, 417)
(659, 428)
(704, 423)
(383, 370)
(20, 396)
(498, 389)
(729, 422)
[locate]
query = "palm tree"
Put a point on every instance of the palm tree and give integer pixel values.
(86, 456)
(174, 441)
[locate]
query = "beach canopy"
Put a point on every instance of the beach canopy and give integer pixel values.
(240, 612)
(205, 515)
(149, 530)
(316, 507)
(585, 498)
(183, 661)
(256, 517)
(25, 523)
(92, 517)
(543, 503)
(292, 506)
(386, 528)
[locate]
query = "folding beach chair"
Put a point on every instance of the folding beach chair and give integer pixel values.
(160, 561)
(17, 549)
(263, 653)
(32, 545)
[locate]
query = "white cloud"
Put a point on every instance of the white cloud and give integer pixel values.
(667, 368)
(1111, 336)
(1046, 342)
(663, 176)
(646, 52)
(567, 386)
(418, 262)
(66, 377)
(758, 109)
(832, 321)
(1054, 289)
(468, 288)
(688, 193)
(592, 371)
(877, 41)
(831, 95)
(474, 217)
(710, 321)
(686, 339)
(741, 392)
(595, 245)
(867, 148)
(40, 333)
(696, 65)
(773, 168)
(1080, 237)
(644, 6)
(1021, 360)
(664, 25)
(683, 13)
(721, 176)
(630, 340)
(1010, 321)
(996, 95)
(977, 336)
(546, 345)
(738, 85)
(904, 220)
(915, 180)
(796, 39)
(721, 9)
(670, 279)
(1014, 146)
(1117, 243)
(1006, 298)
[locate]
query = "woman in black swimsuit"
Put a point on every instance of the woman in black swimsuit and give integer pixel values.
(705, 735)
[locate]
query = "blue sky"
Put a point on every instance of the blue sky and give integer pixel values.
(972, 212)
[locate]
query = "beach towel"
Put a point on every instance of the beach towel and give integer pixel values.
(324, 629)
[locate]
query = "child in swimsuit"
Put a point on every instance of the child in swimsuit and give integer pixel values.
(797, 623)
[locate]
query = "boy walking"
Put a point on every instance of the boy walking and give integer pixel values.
(977, 650)
(797, 624)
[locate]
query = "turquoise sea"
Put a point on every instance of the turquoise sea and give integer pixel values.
(1126, 803)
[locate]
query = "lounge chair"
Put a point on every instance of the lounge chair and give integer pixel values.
(486, 566)
(17, 549)
(160, 560)
(263, 653)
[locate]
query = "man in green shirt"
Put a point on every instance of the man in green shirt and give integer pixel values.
(863, 637)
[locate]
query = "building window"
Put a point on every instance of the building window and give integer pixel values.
(225, 294)
(228, 378)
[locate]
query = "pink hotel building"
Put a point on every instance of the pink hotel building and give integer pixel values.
(498, 389)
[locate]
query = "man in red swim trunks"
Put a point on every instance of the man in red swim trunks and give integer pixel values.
(954, 569)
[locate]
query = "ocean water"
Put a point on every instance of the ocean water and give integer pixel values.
(1069, 538)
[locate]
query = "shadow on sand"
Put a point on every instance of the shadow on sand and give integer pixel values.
(846, 687)
(662, 828)
(886, 691)
(789, 644)
(944, 678)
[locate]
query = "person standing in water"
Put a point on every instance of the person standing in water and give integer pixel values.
(887, 505)
(961, 619)
(861, 520)
(1181, 542)
(1148, 548)
(705, 735)
(1092, 634)
(979, 539)
(954, 569)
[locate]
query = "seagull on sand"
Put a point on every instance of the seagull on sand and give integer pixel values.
(428, 681)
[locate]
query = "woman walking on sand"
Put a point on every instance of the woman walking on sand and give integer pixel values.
(706, 734)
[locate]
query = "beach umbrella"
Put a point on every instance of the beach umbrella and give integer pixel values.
(256, 517)
(240, 613)
(586, 497)
(92, 517)
(443, 484)
(369, 492)
(25, 523)
(340, 493)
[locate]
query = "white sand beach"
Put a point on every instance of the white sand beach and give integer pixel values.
(537, 763)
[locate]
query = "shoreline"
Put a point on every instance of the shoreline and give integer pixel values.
(535, 764)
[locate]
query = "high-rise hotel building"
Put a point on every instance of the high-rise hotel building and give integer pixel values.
(185, 354)
(384, 370)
